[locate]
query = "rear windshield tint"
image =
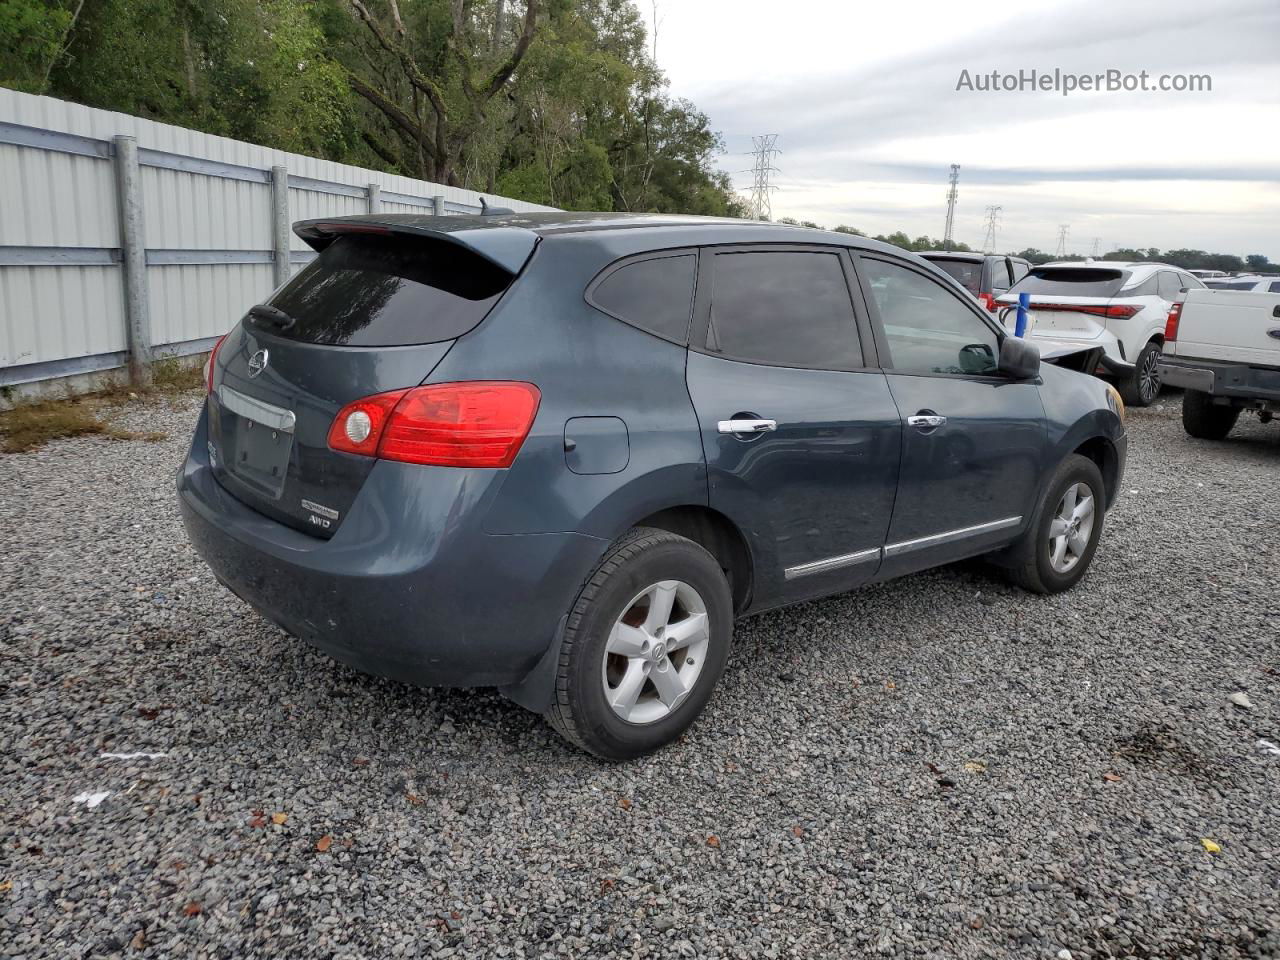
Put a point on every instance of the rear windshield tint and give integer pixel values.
(967, 272)
(1066, 282)
(375, 291)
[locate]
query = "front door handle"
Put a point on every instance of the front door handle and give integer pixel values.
(926, 421)
(747, 426)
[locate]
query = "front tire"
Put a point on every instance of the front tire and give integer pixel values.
(1204, 419)
(1054, 553)
(1142, 387)
(644, 644)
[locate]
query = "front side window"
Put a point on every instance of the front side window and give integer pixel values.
(655, 294)
(929, 330)
(784, 308)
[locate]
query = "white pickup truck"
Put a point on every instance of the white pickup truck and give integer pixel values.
(1223, 347)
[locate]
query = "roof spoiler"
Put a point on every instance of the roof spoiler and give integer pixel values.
(508, 248)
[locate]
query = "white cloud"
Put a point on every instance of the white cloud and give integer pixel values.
(863, 98)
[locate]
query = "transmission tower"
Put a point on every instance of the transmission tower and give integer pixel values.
(764, 148)
(1063, 229)
(947, 239)
(993, 218)
(1097, 243)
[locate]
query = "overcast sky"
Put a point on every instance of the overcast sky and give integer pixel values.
(863, 97)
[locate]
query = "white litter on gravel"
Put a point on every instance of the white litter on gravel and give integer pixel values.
(91, 800)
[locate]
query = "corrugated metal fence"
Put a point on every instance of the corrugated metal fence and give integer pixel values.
(120, 236)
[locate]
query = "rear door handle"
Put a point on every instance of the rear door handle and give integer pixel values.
(926, 421)
(747, 426)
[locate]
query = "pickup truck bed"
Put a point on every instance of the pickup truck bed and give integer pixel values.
(1223, 347)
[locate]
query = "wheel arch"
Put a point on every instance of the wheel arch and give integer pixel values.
(1102, 452)
(716, 534)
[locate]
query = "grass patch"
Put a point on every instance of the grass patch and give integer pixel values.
(31, 424)
(172, 375)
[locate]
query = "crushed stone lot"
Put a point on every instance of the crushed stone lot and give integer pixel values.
(941, 766)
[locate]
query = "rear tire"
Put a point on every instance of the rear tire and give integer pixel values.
(1204, 419)
(1142, 387)
(631, 678)
(1033, 562)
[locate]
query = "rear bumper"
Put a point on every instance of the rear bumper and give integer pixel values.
(1236, 381)
(1112, 361)
(410, 587)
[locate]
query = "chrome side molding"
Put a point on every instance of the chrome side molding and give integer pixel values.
(259, 411)
(831, 563)
(949, 536)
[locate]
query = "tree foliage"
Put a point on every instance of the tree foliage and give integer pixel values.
(553, 101)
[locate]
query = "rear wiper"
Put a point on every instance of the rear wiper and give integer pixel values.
(272, 315)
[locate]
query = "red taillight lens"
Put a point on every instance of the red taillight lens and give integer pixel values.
(1171, 324)
(473, 424)
(985, 299)
(208, 364)
(1112, 312)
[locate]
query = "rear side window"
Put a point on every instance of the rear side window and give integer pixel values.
(1275, 286)
(376, 291)
(966, 272)
(783, 308)
(656, 294)
(1071, 282)
(1169, 285)
(1020, 268)
(999, 275)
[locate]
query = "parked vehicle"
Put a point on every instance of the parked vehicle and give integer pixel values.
(560, 453)
(1223, 348)
(1121, 307)
(1253, 284)
(980, 273)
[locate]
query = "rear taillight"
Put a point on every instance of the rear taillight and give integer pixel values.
(1171, 324)
(985, 299)
(480, 423)
(208, 364)
(1115, 311)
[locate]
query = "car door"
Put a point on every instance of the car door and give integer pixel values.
(974, 441)
(800, 432)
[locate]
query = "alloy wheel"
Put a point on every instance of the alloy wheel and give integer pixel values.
(655, 652)
(1149, 376)
(1071, 527)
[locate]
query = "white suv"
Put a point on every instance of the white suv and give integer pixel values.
(1120, 307)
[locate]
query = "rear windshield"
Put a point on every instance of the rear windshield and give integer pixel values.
(375, 291)
(1069, 282)
(967, 272)
(1229, 285)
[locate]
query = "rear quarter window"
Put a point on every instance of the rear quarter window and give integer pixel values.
(655, 294)
(385, 291)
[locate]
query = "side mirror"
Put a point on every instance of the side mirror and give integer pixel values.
(1019, 360)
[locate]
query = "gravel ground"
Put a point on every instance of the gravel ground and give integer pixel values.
(939, 766)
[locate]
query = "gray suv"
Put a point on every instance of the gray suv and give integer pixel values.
(559, 454)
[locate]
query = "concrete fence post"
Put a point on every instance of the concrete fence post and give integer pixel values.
(375, 200)
(280, 223)
(437, 206)
(133, 260)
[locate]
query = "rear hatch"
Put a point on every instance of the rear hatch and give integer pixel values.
(376, 311)
(1068, 302)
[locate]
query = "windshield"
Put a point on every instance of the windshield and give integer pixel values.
(1071, 282)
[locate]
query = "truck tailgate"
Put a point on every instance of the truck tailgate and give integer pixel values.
(1239, 326)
